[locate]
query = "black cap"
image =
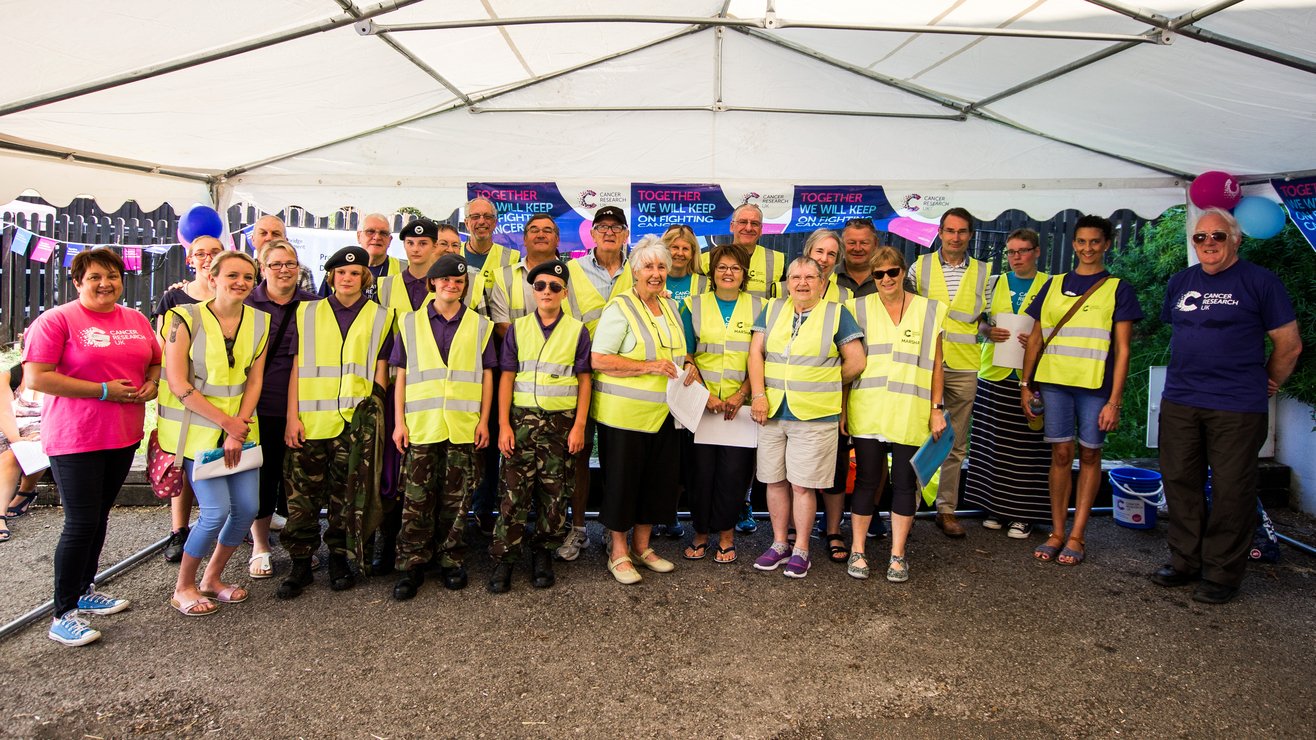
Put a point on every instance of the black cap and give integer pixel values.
(449, 265)
(612, 212)
(352, 255)
(556, 268)
(420, 227)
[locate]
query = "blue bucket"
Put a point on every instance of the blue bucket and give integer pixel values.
(1135, 495)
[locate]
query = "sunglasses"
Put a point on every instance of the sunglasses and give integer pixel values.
(542, 285)
(891, 273)
(1215, 236)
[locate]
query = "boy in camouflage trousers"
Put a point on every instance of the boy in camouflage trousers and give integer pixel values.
(543, 404)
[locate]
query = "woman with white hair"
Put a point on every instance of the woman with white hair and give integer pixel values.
(639, 343)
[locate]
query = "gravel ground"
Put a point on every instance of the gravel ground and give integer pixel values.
(982, 642)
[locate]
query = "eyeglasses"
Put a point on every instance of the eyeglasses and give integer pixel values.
(1017, 252)
(481, 217)
(891, 273)
(868, 222)
(747, 222)
(376, 232)
(609, 228)
(444, 243)
(277, 266)
(1215, 236)
(535, 230)
(728, 268)
(798, 278)
(542, 285)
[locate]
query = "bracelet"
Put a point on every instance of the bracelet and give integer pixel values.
(755, 398)
(1117, 406)
(105, 391)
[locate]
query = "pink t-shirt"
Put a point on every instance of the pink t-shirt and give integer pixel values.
(100, 347)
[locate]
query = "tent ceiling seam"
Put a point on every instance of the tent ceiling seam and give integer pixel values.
(1004, 24)
(507, 38)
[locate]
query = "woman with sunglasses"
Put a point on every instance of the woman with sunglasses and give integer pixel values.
(1080, 375)
(214, 363)
(279, 297)
(638, 345)
(893, 405)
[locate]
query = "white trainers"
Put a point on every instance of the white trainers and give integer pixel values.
(575, 542)
(277, 522)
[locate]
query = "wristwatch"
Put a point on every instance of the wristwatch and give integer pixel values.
(939, 406)
(1025, 383)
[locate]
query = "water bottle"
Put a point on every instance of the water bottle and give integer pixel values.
(1037, 408)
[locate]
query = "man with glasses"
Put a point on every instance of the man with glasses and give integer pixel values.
(951, 276)
(858, 239)
(1214, 407)
(510, 296)
(485, 257)
(766, 266)
(374, 236)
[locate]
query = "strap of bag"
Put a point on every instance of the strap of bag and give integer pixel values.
(1070, 313)
(197, 383)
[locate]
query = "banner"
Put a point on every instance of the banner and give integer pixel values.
(71, 251)
(22, 237)
(571, 206)
(706, 209)
(1299, 195)
(44, 247)
(132, 259)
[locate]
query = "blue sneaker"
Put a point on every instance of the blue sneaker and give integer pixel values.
(95, 602)
(72, 629)
(747, 525)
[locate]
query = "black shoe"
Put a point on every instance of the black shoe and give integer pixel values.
(173, 550)
(454, 577)
(297, 580)
(1168, 577)
(340, 573)
(501, 580)
(386, 553)
(1210, 592)
(408, 584)
(541, 569)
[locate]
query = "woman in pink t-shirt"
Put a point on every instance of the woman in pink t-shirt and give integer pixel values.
(98, 362)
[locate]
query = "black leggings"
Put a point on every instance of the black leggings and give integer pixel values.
(273, 496)
(870, 472)
(88, 483)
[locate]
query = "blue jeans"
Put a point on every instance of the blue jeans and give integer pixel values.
(228, 505)
(1068, 407)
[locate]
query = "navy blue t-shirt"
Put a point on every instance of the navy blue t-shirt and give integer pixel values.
(1217, 350)
(1127, 308)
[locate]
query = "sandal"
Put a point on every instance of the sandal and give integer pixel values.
(5, 534)
(1047, 552)
(189, 608)
(17, 511)
(259, 566)
(897, 576)
(837, 553)
(1075, 556)
(723, 551)
(854, 570)
(696, 551)
(227, 595)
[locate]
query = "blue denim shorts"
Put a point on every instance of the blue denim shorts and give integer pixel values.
(1068, 407)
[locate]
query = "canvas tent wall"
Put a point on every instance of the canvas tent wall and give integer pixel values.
(1034, 104)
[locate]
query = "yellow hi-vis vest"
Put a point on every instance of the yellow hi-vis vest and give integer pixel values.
(335, 373)
(443, 399)
(479, 284)
(511, 282)
(1076, 357)
(960, 349)
(211, 375)
(1001, 303)
(806, 367)
(892, 398)
(392, 294)
(545, 374)
(639, 403)
(765, 266)
(584, 302)
(835, 292)
(722, 348)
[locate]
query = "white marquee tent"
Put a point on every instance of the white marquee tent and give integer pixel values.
(1034, 104)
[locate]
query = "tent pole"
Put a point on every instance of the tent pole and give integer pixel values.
(1202, 12)
(367, 30)
(1153, 19)
(118, 164)
(1053, 74)
(1248, 48)
(719, 107)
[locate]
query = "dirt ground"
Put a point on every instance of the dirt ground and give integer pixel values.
(982, 642)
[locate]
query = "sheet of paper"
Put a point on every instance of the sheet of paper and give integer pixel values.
(31, 457)
(686, 401)
(932, 454)
(1010, 353)
(741, 431)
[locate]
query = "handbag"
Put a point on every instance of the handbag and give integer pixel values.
(166, 478)
(210, 463)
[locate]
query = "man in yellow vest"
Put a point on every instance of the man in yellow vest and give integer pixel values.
(766, 266)
(951, 276)
(543, 402)
(511, 296)
(445, 363)
(374, 235)
(342, 349)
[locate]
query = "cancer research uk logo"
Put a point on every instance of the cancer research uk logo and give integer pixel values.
(95, 337)
(99, 338)
(586, 199)
(1188, 301)
(1191, 300)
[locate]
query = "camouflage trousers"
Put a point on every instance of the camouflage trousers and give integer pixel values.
(436, 482)
(317, 479)
(540, 471)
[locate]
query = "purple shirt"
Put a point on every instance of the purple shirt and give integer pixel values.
(417, 289)
(171, 298)
(1217, 348)
(509, 363)
(345, 315)
(1127, 308)
(278, 360)
(444, 330)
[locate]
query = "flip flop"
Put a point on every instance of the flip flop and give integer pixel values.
(699, 550)
(225, 596)
(1046, 553)
(1075, 556)
(259, 566)
(729, 550)
(188, 608)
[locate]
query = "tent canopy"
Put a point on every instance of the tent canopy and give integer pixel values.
(1034, 104)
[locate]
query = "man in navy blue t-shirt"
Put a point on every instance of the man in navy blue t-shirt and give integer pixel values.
(1213, 410)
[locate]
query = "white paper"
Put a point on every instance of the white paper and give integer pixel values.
(686, 401)
(31, 456)
(741, 431)
(1010, 353)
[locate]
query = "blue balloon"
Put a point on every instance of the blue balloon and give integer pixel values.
(1260, 218)
(200, 221)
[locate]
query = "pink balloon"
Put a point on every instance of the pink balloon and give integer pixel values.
(1215, 189)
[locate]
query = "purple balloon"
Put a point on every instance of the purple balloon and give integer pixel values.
(1215, 189)
(200, 221)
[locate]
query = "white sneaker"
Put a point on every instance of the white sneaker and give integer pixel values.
(277, 522)
(991, 522)
(575, 542)
(1019, 530)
